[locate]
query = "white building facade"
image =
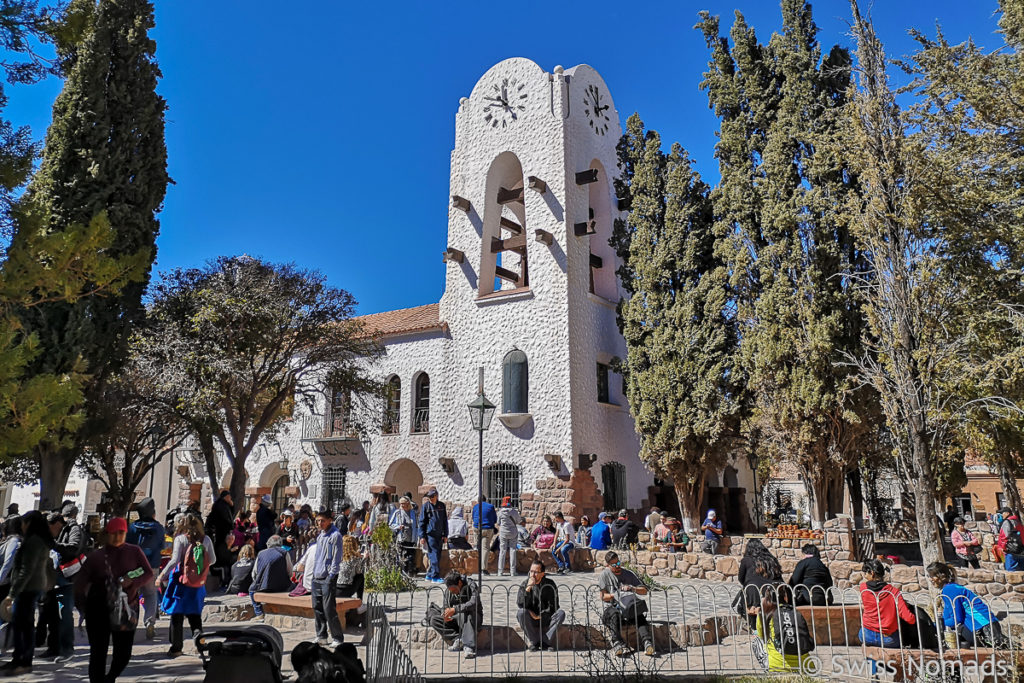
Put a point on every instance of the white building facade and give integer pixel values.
(530, 296)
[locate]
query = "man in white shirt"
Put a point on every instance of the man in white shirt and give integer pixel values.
(565, 537)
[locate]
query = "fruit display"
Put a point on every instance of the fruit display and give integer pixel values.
(793, 531)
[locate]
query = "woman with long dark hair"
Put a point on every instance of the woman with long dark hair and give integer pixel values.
(758, 569)
(31, 576)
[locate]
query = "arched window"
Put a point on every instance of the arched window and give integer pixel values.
(421, 405)
(500, 480)
(392, 405)
(613, 479)
(515, 383)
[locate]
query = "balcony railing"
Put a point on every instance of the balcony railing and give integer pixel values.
(391, 423)
(421, 421)
(318, 428)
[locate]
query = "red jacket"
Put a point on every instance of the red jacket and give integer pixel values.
(883, 607)
(1012, 519)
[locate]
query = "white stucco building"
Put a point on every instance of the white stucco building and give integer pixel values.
(530, 295)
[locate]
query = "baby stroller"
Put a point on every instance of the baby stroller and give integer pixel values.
(247, 654)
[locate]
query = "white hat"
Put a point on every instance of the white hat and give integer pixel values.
(287, 513)
(266, 500)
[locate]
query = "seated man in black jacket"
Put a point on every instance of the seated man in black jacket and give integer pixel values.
(462, 615)
(538, 613)
(811, 579)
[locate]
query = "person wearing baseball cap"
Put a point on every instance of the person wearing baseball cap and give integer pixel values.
(601, 533)
(121, 562)
(433, 533)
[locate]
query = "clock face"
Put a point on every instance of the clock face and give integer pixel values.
(506, 103)
(596, 110)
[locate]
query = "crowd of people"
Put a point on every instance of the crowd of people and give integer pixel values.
(49, 567)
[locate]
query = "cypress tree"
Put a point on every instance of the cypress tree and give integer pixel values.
(104, 155)
(680, 337)
(779, 204)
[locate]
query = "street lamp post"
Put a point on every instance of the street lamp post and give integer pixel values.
(752, 460)
(480, 413)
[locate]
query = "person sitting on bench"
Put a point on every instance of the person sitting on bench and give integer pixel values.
(963, 612)
(811, 579)
(883, 606)
(272, 572)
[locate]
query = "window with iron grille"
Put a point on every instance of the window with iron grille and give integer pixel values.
(613, 478)
(421, 406)
(392, 406)
(334, 478)
(502, 480)
(602, 383)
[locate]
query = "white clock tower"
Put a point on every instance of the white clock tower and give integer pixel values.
(530, 270)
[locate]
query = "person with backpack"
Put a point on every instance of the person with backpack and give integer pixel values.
(619, 589)
(184, 576)
(963, 612)
(788, 642)
(109, 587)
(148, 534)
(1010, 542)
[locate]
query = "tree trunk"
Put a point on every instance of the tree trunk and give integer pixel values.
(690, 496)
(55, 465)
(237, 486)
(853, 484)
(928, 529)
(210, 456)
(826, 491)
(1010, 491)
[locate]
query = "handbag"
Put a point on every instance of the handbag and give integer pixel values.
(124, 613)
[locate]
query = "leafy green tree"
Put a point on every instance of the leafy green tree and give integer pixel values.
(138, 427)
(676, 319)
(787, 247)
(236, 342)
(104, 154)
(968, 123)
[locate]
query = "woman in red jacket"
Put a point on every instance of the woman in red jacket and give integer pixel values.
(883, 608)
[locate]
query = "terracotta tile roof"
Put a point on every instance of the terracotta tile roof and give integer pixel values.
(402, 321)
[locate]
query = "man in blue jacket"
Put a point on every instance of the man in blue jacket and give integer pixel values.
(148, 534)
(433, 533)
(601, 534)
(490, 516)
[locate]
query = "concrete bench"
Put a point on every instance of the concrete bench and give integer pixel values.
(833, 624)
(302, 606)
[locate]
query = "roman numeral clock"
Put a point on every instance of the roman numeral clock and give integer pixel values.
(506, 103)
(595, 111)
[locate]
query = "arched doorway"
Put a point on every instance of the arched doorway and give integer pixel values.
(404, 475)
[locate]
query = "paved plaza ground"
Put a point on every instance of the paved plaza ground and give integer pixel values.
(686, 601)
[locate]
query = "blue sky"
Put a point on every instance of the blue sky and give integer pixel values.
(320, 132)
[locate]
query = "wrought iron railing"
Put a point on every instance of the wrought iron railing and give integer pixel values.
(386, 659)
(421, 420)
(863, 544)
(391, 422)
(318, 427)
